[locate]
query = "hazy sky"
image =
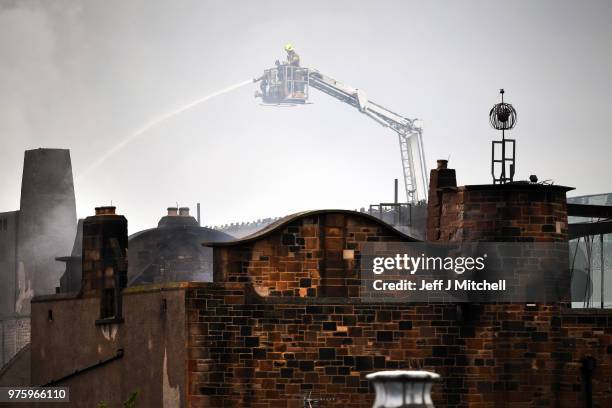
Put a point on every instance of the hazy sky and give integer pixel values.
(85, 75)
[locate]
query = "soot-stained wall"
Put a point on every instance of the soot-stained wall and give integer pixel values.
(266, 334)
(65, 340)
(246, 350)
(313, 254)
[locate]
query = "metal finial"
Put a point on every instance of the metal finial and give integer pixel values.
(503, 117)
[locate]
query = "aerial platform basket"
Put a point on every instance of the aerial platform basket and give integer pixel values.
(284, 85)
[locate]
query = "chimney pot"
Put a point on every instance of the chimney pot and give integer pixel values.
(442, 164)
(109, 210)
(172, 211)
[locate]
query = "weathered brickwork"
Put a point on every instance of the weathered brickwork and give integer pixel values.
(104, 252)
(311, 256)
(249, 351)
(513, 213)
(495, 213)
(257, 339)
(283, 320)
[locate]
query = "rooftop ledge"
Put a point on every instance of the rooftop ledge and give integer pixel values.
(516, 186)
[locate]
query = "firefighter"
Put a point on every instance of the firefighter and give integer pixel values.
(292, 57)
(294, 73)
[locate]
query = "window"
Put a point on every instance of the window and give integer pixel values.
(591, 266)
(107, 303)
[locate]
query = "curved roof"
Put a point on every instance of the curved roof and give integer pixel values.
(181, 223)
(172, 252)
(177, 232)
(284, 221)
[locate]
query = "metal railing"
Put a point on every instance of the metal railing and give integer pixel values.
(396, 214)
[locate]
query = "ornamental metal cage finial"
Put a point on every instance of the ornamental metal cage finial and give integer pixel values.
(502, 117)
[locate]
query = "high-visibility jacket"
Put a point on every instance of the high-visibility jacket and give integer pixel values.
(293, 58)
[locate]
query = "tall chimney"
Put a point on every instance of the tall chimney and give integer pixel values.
(47, 222)
(105, 242)
(199, 219)
(439, 178)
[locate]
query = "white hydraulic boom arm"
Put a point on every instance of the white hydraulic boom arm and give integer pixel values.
(410, 136)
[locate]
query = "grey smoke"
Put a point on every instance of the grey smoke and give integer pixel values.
(82, 75)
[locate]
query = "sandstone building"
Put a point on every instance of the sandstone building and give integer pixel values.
(283, 318)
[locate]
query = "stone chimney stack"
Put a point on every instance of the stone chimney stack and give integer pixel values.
(439, 178)
(172, 211)
(184, 211)
(511, 212)
(105, 242)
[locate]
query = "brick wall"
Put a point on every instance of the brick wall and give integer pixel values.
(104, 252)
(256, 338)
(310, 256)
(509, 213)
(14, 335)
(244, 350)
(519, 212)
